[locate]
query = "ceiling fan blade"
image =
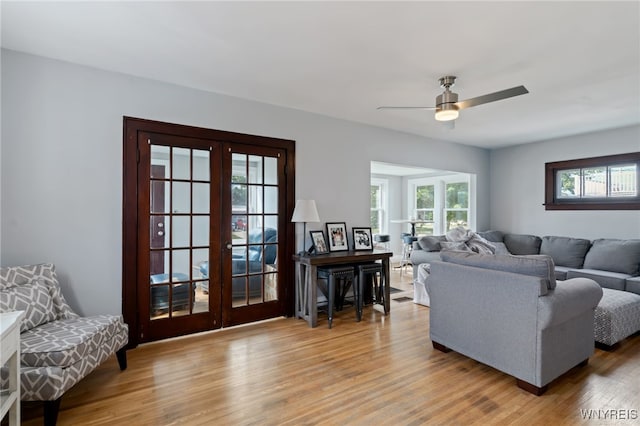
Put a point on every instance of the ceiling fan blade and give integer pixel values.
(492, 97)
(405, 107)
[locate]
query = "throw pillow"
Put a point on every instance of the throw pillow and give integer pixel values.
(33, 298)
(569, 252)
(501, 248)
(522, 244)
(493, 236)
(614, 255)
(480, 245)
(431, 242)
(459, 233)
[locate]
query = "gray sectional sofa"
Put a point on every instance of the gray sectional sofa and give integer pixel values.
(612, 263)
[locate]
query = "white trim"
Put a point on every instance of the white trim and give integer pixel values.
(384, 202)
(439, 183)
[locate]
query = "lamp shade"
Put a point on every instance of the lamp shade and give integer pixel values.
(447, 113)
(305, 211)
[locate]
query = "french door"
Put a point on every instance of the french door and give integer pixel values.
(211, 234)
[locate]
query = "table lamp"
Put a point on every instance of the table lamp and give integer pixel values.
(305, 211)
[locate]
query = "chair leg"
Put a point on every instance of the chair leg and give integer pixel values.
(122, 358)
(51, 409)
(359, 296)
(383, 295)
(378, 290)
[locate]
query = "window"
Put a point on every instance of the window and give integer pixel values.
(378, 206)
(456, 206)
(599, 183)
(424, 208)
(444, 200)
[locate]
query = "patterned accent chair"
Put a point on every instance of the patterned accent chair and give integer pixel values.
(58, 347)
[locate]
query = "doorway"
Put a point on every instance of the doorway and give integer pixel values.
(206, 235)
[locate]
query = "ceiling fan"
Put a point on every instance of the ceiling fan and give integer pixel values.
(447, 104)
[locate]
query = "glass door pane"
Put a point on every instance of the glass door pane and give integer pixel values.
(180, 229)
(255, 210)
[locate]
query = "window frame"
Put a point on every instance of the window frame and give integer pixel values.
(440, 210)
(383, 206)
(553, 202)
(446, 209)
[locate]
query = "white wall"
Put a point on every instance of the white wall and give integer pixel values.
(517, 187)
(62, 164)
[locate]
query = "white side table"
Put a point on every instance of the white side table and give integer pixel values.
(10, 355)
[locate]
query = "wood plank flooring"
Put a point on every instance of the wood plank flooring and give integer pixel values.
(381, 371)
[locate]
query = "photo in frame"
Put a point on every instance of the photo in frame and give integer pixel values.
(362, 239)
(337, 236)
(319, 243)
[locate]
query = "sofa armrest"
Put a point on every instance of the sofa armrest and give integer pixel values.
(420, 256)
(569, 299)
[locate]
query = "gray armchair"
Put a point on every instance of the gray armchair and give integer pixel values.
(507, 312)
(250, 263)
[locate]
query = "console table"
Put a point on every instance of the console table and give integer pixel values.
(307, 275)
(10, 355)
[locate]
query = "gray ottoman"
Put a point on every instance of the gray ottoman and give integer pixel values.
(617, 316)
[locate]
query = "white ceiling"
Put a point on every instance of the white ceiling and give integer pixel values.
(579, 60)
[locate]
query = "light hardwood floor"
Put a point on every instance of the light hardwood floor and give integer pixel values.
(381, 371)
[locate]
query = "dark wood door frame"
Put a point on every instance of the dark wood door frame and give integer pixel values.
(131, 128)
(157, 225)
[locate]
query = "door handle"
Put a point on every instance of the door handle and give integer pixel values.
(160, 233)
(229, 246)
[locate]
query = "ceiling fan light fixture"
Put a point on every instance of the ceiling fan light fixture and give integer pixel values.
(447, 104)
(447, 113)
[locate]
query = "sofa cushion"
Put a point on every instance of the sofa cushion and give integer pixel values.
(607, 279)
(64, 342)
(565, 251)
(561, 272)
(34, 298)
(431, 242)
(501, 248)
(534, 265)
(418, 257)
(455, 245)
(614, 255)
(633, 285)
(522, 244)
(493, 236)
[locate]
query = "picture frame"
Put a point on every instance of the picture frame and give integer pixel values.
(362, 238)
(337, 236)
(319, 244)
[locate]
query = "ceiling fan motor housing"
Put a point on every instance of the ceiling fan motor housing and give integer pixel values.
(445, 98)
